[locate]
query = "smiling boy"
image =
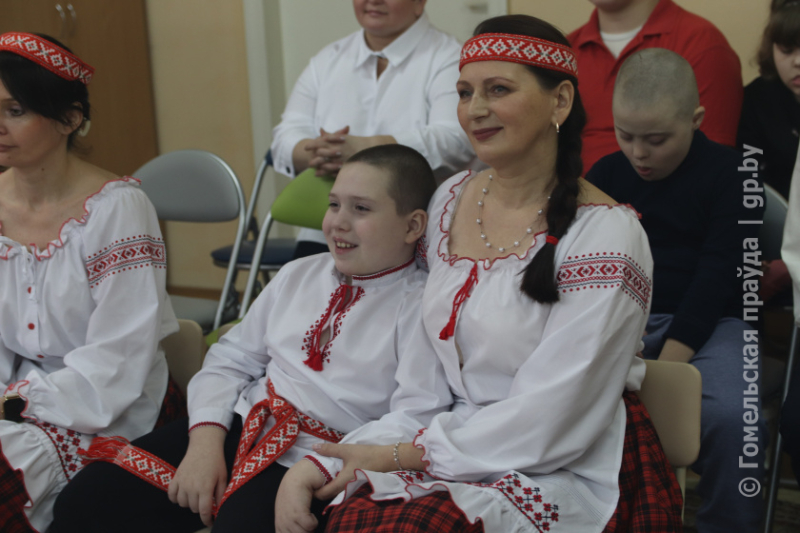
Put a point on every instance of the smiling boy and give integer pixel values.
(689, 195)
(334, 342)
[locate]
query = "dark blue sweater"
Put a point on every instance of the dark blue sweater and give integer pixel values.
(691, 220)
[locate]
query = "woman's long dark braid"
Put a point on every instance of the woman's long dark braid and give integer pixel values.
(539, 279)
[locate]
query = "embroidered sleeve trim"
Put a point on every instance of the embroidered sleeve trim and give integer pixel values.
(203, 424)
(17, 387)
(421, 446)
(322, 469)
(142, 251)
(605, 271)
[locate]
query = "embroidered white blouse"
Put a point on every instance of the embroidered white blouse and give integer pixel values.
(81, 320)
(377, 361)
(535, 435)
(414, 99)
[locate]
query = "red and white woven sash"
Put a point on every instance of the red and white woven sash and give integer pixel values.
(248, 463)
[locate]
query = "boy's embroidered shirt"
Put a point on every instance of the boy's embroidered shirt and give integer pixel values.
(377, 361)
(538, 420)
(81, 319)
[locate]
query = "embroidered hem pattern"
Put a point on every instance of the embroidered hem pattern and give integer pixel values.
(67, 442)
(528, 500)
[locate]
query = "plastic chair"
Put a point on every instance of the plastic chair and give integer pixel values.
(672, 393)
(303, 203)
(185, 351)
(196, 186)
(279, 252)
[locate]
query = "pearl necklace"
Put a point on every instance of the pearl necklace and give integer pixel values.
(528, 230)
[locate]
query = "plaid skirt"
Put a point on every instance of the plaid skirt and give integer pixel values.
(174, 405)
(14, 495)
(650, 498)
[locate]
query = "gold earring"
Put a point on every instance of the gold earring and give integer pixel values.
(558, 130)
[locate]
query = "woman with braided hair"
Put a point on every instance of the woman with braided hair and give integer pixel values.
(537, 298)
(83, 301)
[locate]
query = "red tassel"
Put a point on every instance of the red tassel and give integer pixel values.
(449, 329)
(462, 294)
(341, 298)
(314, 361)
(103, 449)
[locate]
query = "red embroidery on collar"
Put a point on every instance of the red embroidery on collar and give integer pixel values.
(342, 299)
(385, 272)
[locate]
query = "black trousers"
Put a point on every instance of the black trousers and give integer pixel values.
(104, 497)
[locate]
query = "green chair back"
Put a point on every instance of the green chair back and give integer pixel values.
(304, 201)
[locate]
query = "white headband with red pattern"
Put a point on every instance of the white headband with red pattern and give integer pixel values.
(519, 49)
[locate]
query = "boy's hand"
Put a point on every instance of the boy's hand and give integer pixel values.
(355, 457)
(202, 476)
(293, 502)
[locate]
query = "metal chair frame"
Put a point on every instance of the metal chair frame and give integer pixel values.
(171, 182)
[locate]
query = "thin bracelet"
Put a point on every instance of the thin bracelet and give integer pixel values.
(396, 454)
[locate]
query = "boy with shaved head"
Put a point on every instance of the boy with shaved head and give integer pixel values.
(689, 194)
(618, 29)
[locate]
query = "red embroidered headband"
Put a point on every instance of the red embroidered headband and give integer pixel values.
(49, 55)
(519, 49)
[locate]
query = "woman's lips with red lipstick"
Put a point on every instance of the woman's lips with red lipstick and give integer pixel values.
(485, 133)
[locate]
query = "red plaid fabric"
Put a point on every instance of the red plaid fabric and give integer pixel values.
(174, 405)
(650, 498)
(13, 497)
(433, 512)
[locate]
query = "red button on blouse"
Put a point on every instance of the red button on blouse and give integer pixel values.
(31, 326)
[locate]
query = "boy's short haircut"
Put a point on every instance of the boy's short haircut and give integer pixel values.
(655, 76)
(412, 183)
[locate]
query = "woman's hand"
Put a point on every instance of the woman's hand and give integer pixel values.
(324, 152)
(330, 150)
(202, 476)
(363, 457)
(293, 502)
